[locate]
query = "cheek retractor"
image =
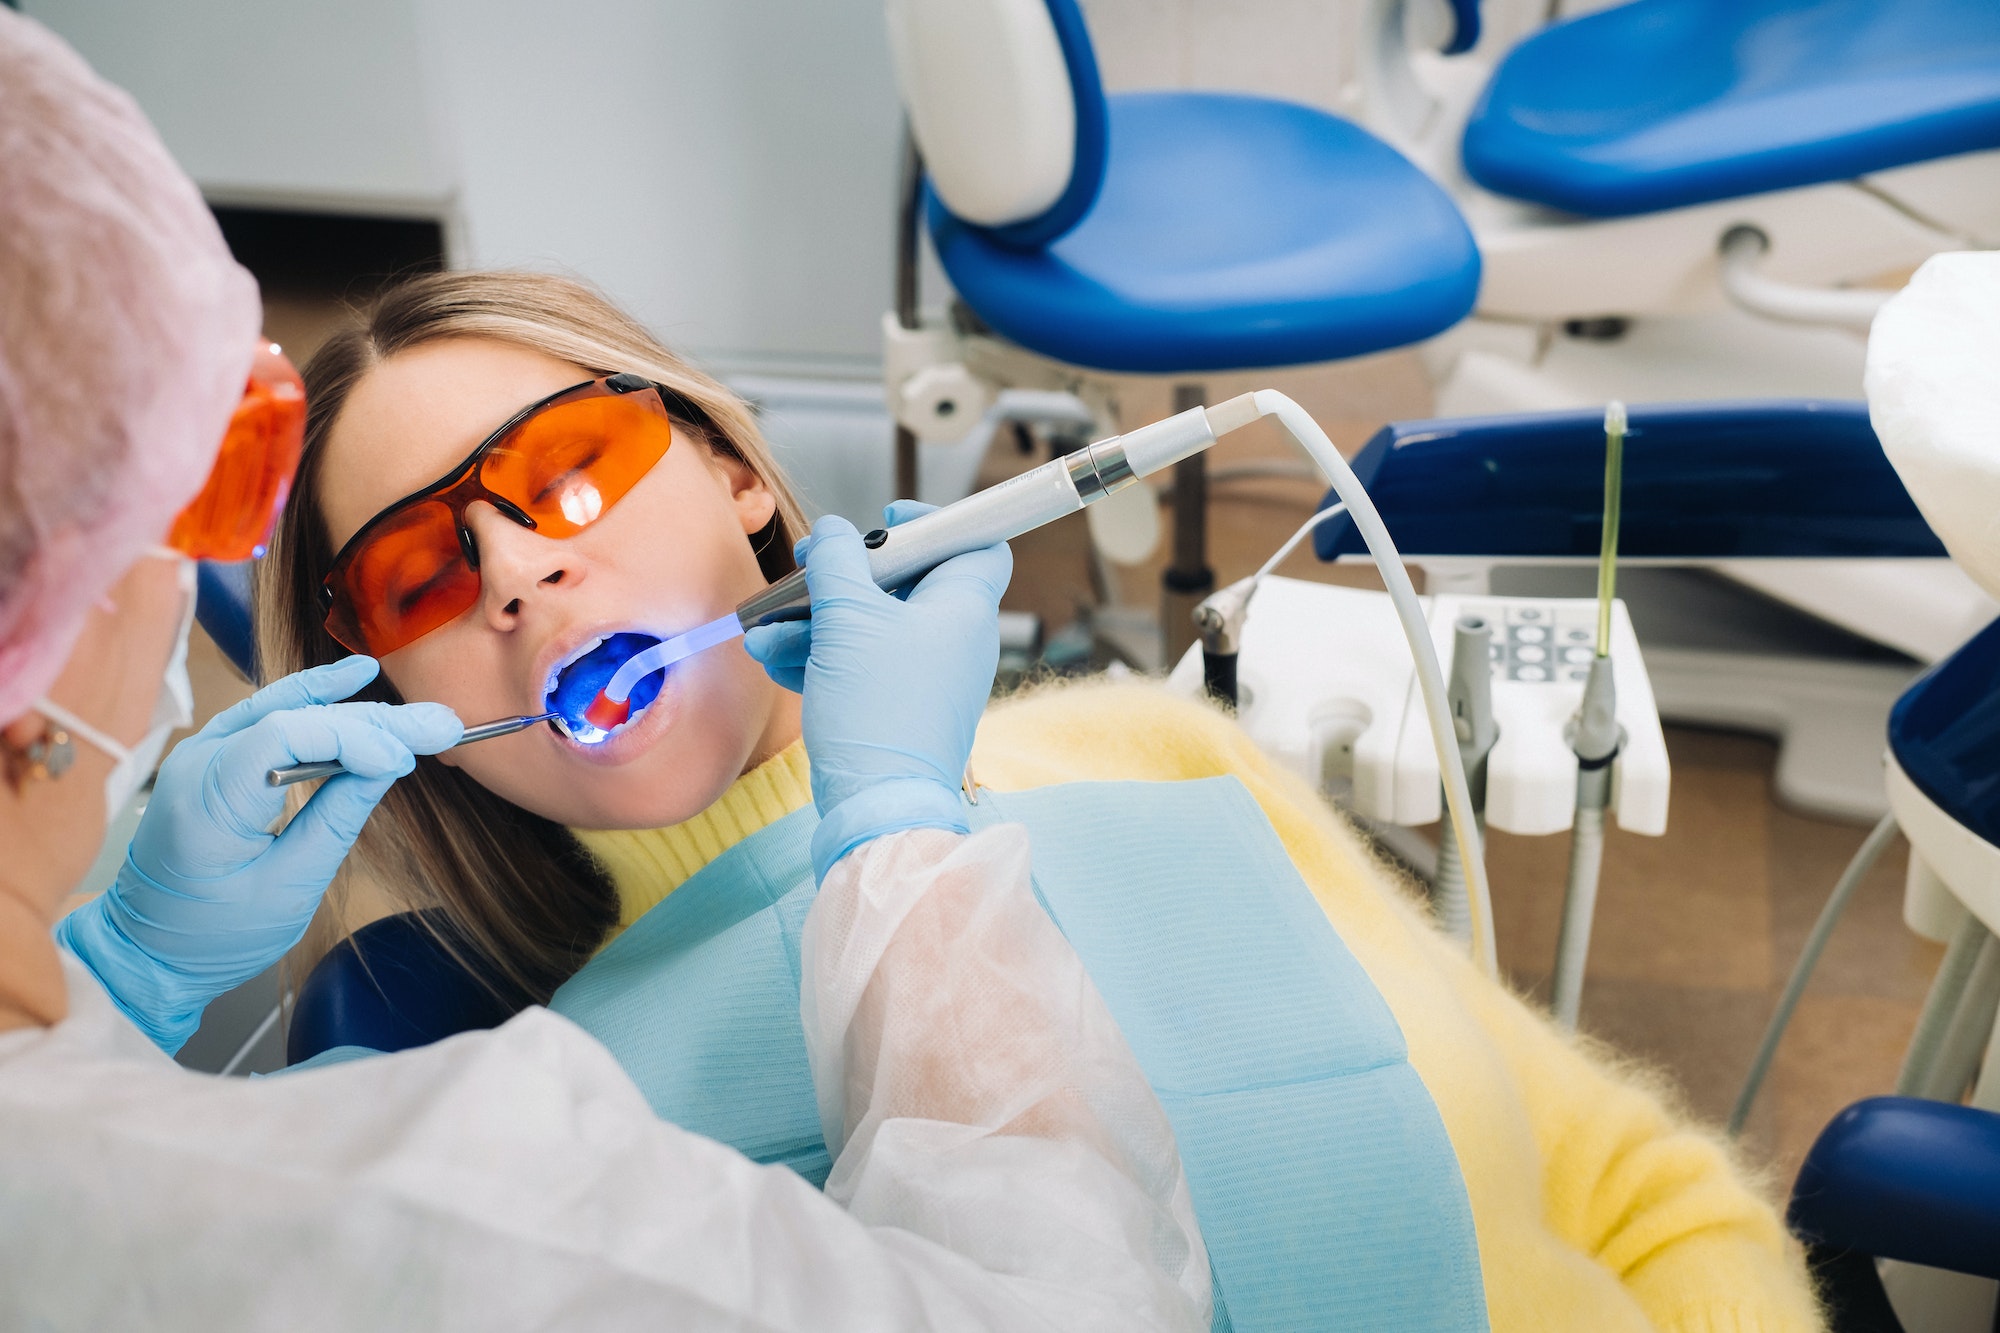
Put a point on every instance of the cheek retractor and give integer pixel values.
(613, 704)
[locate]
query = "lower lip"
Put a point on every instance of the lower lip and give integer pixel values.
(636, 737)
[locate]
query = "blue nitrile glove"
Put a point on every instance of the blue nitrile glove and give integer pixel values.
(893, 687)
(209, 897)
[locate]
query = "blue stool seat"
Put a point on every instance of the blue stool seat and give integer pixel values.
(1945, 734)
(1703, 481)
(392, 985)
(1664, 103)
(1230, 233)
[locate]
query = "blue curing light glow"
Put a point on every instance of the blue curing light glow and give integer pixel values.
(582, 680)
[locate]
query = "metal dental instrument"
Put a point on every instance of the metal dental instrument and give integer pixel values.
(326, 768)
(1595, 737)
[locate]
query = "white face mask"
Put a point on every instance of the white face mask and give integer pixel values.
(133, 764)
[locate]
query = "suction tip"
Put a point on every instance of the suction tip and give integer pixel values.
(605, 713)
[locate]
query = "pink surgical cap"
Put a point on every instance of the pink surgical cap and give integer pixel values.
(126, 334)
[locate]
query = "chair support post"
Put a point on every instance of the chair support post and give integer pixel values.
(1188, 578)
(909, 190)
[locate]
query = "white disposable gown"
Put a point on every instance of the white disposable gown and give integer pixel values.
(1000, 1161)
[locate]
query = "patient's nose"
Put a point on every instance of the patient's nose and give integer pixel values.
(516, 564)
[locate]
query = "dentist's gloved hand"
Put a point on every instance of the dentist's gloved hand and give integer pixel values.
(209, 897)
(893, 687)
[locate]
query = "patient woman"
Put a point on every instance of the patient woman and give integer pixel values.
(1595, 1207)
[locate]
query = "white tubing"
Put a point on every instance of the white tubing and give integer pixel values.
(1788, 303)
(1795, 985)
(1430, 675)
(1292, 542)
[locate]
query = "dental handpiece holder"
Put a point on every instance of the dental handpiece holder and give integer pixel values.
(899, 556)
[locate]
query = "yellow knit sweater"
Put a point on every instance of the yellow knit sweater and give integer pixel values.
(1596, 1208)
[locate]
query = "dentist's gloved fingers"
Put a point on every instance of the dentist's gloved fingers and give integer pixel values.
(315, 685)
(782, 650)
(331, 820)
(902, 511)
(978, 578)
(836, 563)
(371, 740)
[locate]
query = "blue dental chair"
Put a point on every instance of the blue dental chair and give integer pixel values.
(1164, 233)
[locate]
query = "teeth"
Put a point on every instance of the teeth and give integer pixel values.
(555, 672)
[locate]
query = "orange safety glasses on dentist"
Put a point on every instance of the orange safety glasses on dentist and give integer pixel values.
(232, 517)
(556, 467)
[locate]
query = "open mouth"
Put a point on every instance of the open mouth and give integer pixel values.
(574, 684)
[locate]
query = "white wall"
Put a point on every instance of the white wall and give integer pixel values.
(307, 105)
(727, 170)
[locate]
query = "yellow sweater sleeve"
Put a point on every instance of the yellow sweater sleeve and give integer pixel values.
(1596, 1207)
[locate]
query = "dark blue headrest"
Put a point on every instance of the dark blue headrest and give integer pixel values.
(393, 985)
(222, 605)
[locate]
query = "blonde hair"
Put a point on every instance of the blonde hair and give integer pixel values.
(508, 887)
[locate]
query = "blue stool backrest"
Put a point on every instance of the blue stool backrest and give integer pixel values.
(393, 985)
(1006, 105)
(1703, 481)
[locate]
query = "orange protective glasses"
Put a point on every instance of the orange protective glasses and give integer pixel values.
(232, 517)
(556, 467)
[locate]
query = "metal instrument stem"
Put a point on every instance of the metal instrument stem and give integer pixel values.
(326, 768)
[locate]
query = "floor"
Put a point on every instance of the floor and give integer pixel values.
(1695, 931)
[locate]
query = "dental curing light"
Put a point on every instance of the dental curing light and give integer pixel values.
(899, 556)
(326, 768)
(903, 554)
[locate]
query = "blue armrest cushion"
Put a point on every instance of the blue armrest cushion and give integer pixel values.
(1900, 1178)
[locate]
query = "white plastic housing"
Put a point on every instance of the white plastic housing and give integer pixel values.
(1328, 688)
(990, 103)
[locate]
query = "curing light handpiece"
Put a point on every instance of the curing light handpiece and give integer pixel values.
(901, 555)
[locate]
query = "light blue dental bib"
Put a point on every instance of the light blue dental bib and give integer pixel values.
(1327, 1191)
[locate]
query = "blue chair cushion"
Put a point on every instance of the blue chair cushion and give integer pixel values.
(392, 985)
(1664, 103)
(1899, 1178)
(1945, 734)
(1231, 232)
(1703, 481)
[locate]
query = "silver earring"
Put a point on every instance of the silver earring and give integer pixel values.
(45, 758)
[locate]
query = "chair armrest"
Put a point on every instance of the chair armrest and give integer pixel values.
(1899, 1178)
